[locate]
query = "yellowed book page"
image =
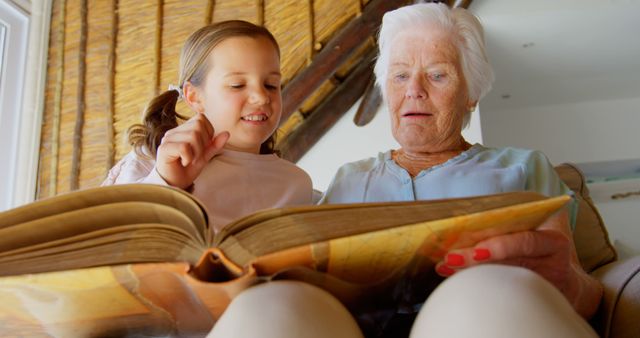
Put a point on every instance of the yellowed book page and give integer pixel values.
(62, 238)
(99, 217)
(377, 255)
(141, 243)
(81, 199)
(290, 227)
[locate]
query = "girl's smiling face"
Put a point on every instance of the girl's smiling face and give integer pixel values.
(241, 91)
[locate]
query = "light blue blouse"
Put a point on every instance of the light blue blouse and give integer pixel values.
(476, 171)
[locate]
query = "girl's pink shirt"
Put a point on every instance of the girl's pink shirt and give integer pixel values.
(233, 184)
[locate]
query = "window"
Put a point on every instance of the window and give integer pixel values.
(3, 34)
(24, 37)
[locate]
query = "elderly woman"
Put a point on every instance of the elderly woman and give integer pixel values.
(433, 70)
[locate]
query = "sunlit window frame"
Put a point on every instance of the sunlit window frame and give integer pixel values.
(25, 86)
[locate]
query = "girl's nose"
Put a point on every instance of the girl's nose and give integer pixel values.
(259, 96)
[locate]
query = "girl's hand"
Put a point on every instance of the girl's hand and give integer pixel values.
(548, 250)
(186, 149)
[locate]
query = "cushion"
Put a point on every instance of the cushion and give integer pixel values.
(590, 235)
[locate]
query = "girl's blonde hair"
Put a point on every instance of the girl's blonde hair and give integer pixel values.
(160, 114)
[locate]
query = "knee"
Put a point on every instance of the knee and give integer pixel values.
(286, 309)
(491, 286)
(502, 301)
(485, 281)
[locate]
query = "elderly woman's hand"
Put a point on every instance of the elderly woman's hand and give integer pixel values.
(548, 250)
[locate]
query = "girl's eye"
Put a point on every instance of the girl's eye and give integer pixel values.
(237, 86)
(270, 86)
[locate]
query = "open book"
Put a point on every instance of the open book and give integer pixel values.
(141, 259)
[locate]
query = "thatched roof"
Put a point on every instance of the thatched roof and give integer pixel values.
(108, 58)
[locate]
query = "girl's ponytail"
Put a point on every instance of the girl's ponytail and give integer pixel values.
(269, 146)
(159, 116)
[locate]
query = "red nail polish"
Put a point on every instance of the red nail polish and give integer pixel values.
(481, 254)
(455, 260)
(445, 270)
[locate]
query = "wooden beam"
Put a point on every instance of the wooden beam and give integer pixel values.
(111, 85)
(373, 98)
(76, 154)
(157, 55)
(57, 101)
(312, 31)
(208, 14)
(260, 14)
(335, 53)
(299, 141)
(369, 105)
(461, 3)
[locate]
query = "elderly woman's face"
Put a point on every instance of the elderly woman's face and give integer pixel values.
(426, 91)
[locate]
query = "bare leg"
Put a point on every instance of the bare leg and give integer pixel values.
(498, 301)
(285, 309)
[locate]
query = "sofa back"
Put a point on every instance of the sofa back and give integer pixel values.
(590, 235)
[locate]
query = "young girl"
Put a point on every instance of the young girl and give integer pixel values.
(230, 77)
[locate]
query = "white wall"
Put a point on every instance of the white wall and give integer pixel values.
(346, 142)
(576, 132)
(581, 132)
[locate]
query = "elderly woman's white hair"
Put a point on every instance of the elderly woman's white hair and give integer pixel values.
(465, 29)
